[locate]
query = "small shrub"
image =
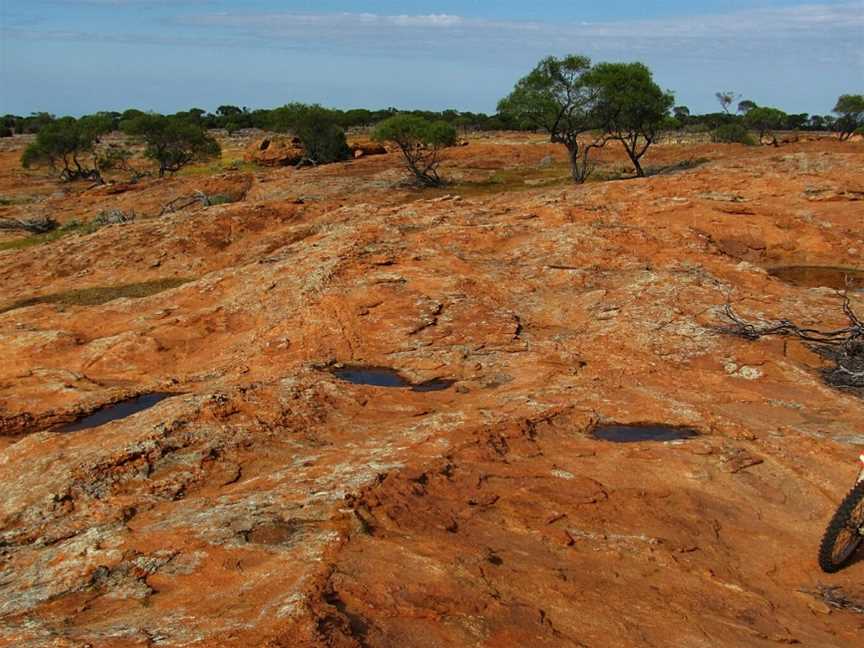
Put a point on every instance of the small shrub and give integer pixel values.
(732, 134)
(321, 136)
(172, 142)
(850, 115)
(68, 146)
(765, 121)
(113, 217)
(219, 199)
(420, 142)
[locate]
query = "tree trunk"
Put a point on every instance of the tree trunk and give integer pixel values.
(640, 173)
(577, 167)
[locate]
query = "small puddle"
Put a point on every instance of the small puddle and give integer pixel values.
(115, 412)
(641, 433)
(820, 277)
(439, 384)
(384, 377)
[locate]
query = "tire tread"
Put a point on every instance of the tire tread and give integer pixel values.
(837, 524)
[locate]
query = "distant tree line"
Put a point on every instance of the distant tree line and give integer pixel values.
(569, 98)
(234, 118)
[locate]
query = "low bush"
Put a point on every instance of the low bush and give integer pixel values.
(732, 134)
(420, 142)
(112, 217)
(321, 135)
(68, 146)
(172, 142)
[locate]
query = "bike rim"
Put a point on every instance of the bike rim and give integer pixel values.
(850, 537)
(845, 545)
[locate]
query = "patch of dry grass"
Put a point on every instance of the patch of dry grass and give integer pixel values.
(101, 295)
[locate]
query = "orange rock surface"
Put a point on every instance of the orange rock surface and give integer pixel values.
(272, 504)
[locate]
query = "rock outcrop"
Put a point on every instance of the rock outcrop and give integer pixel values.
(271, 503)
(275, 151)
(366, 148)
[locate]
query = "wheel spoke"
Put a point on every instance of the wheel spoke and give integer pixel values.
(845, 545)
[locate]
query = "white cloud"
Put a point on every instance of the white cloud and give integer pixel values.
(848, 16)
(833, 31)
(820, 32)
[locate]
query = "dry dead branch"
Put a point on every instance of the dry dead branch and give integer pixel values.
(40, 225)
(181, 203)
(843, 346)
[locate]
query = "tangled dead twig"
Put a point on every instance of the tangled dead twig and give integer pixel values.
(183, 202)
(842, 336)
(200, 198)
(41, 225)
(113, 217)
(844, 346)
(836, 598)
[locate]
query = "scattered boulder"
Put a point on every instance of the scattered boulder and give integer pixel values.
(275, 151)
(366, 148)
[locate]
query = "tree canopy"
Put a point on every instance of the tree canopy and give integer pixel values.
(630, 106)
(555, 97)
(850, 111)
(420, 141)
(746, 106)
(765, 121)
(321, 135)
(172, 142)
(69, 144)
(726, 98)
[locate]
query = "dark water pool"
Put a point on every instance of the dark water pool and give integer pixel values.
(116, 412)
(820, 277)
(642, 433)
(385, 377)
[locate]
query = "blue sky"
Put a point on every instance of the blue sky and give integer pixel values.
(77, 56)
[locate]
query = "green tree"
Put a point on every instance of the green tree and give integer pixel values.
(229, 111)
(726, 98)
(816, 123)
(850, 111)
(321, 135)
(36, 121)
(630, 107)
(765, 121)
(172, 142)
(355, 117)
(732, 133)
(555, 98)
(420, 141)
(796, 121)
(681, 113)
(746, 106)
(285, 118)
(69, 144)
